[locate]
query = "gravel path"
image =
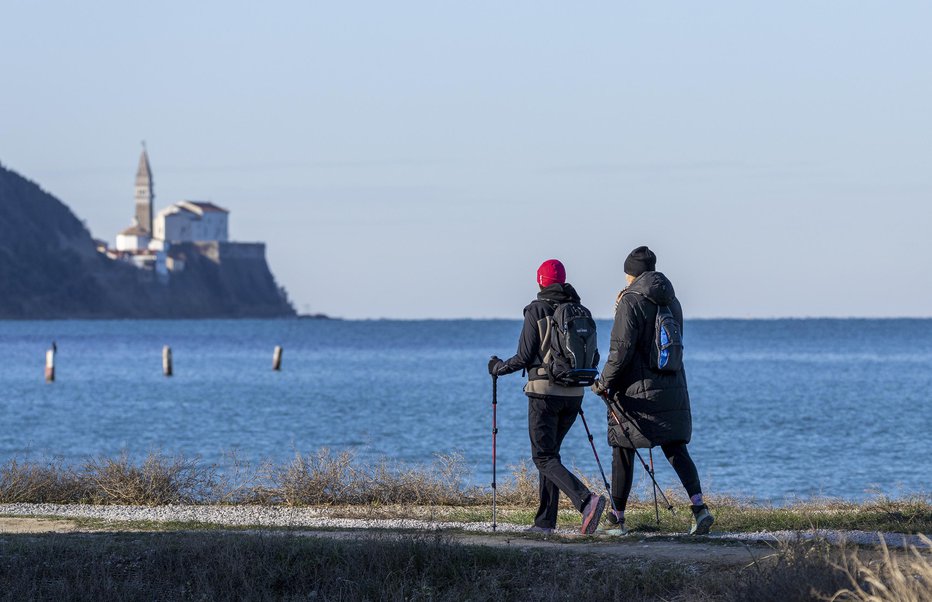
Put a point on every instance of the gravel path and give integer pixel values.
(317, 518)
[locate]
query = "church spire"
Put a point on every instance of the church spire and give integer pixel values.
(144, 192)
(144, 173)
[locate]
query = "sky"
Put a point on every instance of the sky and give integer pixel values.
(421, 159)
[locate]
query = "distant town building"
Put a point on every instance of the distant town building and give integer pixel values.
(177, 234)
(187, 221)
(192, 221)
(133, 239)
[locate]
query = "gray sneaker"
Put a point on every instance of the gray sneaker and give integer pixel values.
(703, 518)
(591, 513)
(541, 530)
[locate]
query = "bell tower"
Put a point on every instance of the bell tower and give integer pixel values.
(144, 193)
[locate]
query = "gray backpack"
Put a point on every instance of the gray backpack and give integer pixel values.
(573, 356)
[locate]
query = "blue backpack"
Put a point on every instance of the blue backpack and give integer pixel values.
(666, 354)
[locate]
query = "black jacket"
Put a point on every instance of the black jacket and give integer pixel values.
(537, 317)
(655, 405)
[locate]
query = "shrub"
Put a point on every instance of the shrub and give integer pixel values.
(158, 480)
(35, 482)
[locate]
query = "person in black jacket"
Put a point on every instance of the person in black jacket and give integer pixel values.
(552, 409)
(647, 407)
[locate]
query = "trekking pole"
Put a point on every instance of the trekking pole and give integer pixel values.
(597, 461)
(494, 437)
(650, 454)
(650, 473)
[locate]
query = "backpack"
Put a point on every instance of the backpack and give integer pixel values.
(666, 351)
(573, 355)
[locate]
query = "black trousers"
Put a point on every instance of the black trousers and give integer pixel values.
(623, 471)
(548, 420)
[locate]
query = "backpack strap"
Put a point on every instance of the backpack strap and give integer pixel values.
(639, 343)
(640, 294)
(545, 329)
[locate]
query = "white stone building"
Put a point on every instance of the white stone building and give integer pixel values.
(133, 239)
(192, 221)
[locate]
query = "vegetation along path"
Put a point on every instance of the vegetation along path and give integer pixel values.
(330, 520)
(78, 551)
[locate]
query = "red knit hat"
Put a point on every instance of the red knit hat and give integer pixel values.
(550, 272)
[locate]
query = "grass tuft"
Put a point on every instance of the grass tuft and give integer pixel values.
(906, 579)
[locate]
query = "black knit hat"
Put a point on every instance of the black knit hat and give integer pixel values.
(639, 261)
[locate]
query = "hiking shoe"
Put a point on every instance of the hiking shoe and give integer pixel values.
(541, 530)
(614, 525)
(704, 520)
(618, 530)
(591, 513)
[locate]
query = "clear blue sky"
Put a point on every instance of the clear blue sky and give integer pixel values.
(419, 159)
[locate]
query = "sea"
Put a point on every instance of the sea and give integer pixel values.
(783, 410)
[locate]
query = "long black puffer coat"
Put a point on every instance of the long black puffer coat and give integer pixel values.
(655, 405)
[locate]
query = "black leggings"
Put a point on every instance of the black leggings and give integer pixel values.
(623, 471)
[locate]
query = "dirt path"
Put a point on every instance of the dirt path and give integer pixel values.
(718, 552)
(655, 548)
(364, 520)
(17, 525)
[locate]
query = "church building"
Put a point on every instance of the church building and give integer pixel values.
(182, 237)
(187, 221)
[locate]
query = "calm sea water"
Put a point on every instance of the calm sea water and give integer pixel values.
(782, 409)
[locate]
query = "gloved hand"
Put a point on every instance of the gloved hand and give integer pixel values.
(494, 364)
(598, 387)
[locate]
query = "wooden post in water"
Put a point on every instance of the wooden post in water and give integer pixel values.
(50, 365)
(167, 360)
(277, 358)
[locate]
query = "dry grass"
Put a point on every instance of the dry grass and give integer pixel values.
(283, 566)
(797, 570)
(157, 481)
(337, 479)
(328, 479)
(227, 566)
(892, 578)
(816, 570)
(520, 487)
(37, 482)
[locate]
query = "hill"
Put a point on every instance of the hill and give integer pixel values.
(50, 268)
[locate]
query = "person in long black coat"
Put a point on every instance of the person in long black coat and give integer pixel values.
(647, 407)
